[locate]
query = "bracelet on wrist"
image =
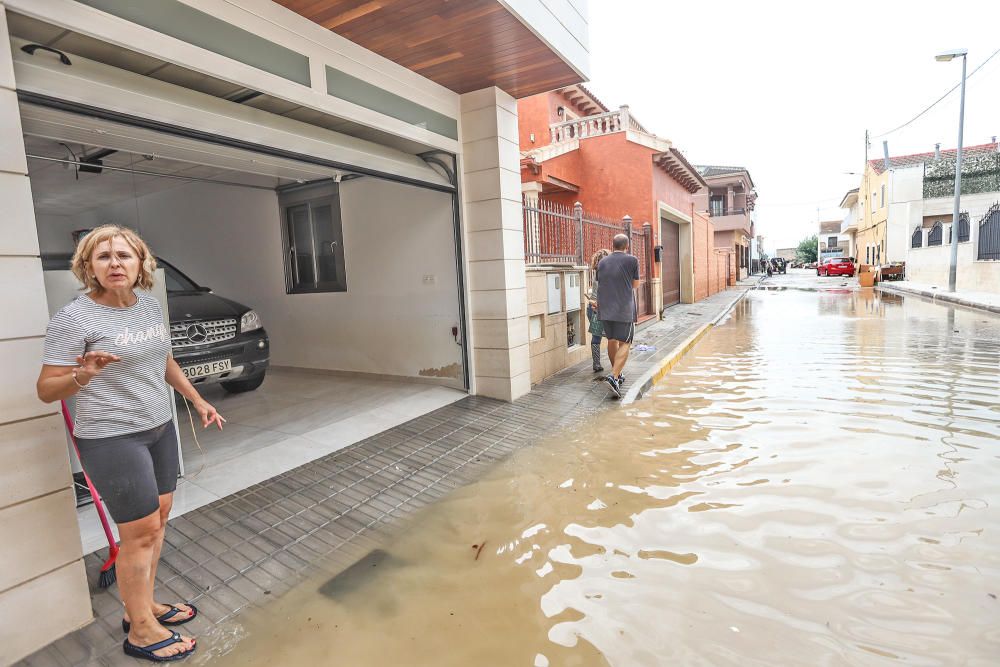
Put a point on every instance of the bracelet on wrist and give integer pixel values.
(76, 380)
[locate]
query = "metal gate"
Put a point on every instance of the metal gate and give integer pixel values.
(989, 234)
(551, 233)
(641, 244)
(670, 267)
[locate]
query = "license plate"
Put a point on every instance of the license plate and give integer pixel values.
(210, 368)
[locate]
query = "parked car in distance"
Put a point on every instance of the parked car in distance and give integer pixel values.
(836, 266)
(213, 339)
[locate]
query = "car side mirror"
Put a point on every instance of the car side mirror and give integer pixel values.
(205, 289)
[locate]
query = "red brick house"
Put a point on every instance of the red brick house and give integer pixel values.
(575, 149)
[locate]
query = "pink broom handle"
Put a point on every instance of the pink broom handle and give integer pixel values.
(90, 485)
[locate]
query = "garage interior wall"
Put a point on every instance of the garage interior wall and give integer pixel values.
(402, 300)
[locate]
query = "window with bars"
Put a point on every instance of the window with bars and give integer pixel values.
(936, 235)
(917, 238)
(313, 239)
(963, 229)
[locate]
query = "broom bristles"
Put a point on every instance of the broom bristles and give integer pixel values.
(108, 575)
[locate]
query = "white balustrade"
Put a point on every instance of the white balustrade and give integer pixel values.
(594, 126)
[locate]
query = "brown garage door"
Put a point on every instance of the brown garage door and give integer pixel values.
(671, 266)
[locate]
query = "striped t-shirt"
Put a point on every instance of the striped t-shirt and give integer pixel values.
(130, 395)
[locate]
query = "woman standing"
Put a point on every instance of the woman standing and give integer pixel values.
(110, 349)
(596, 329)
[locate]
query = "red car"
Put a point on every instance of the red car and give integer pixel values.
(836, 266)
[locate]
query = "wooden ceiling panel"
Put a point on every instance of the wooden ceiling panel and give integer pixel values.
(463, 45)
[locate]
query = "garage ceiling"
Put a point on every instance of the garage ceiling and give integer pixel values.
(60, 189)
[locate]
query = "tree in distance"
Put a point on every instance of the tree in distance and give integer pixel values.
(806, 252)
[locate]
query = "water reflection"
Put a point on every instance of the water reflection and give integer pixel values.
(815, 484)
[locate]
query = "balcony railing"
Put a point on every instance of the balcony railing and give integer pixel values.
(718, 213)
(618, 120)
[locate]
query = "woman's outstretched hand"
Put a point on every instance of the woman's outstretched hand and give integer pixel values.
(209, 415)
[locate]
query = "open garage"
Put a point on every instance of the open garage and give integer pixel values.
(312, 305)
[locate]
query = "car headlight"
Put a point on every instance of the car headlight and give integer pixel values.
(250, 321)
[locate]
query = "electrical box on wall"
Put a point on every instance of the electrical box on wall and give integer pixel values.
(554, 283)
(572, 292)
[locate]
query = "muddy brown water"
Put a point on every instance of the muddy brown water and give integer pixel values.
(816, 483)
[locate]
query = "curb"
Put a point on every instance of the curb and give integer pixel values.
(942, 297)
(663, 366)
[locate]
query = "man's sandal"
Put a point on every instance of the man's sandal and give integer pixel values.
(164, 619)
(146, 652)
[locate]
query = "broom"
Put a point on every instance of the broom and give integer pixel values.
(108, 575)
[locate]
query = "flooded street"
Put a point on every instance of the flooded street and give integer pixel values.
(816, 483)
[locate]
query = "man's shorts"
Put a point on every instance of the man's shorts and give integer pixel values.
(620, 331)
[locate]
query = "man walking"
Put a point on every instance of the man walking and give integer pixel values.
(617, 278)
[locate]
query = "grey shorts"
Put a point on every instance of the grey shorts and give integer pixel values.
(620, 331)
(132, 471)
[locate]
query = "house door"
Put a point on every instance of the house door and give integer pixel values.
(671, 265)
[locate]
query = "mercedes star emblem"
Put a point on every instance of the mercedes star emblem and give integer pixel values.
(197, 333)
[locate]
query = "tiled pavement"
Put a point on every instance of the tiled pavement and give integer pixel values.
(323, 516)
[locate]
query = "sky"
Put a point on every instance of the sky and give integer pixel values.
(788, 89)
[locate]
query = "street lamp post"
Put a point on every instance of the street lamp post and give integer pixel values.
(953, 266)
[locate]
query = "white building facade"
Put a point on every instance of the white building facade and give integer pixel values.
(926, 222)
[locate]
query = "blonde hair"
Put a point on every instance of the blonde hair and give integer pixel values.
(85, 250)
(598, 256)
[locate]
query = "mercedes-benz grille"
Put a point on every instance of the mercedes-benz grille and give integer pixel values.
(203, 332)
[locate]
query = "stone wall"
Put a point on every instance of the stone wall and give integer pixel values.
(929, 266)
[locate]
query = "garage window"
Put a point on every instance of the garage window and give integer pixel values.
(313, 239)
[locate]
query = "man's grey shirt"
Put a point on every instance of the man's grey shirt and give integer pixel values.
(615, 298)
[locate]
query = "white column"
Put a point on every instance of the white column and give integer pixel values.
(43, 587)
(494, 239)
(532, 190)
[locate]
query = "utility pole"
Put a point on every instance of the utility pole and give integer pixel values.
(945, 57)
(953, 266)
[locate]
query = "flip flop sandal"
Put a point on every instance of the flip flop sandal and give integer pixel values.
(146, 652)
(164, 619)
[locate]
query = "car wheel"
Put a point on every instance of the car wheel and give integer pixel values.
(240, 386)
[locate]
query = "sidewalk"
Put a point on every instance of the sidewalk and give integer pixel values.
(323, 516)
(989, 301)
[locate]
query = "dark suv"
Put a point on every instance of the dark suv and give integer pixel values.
(213, 338)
